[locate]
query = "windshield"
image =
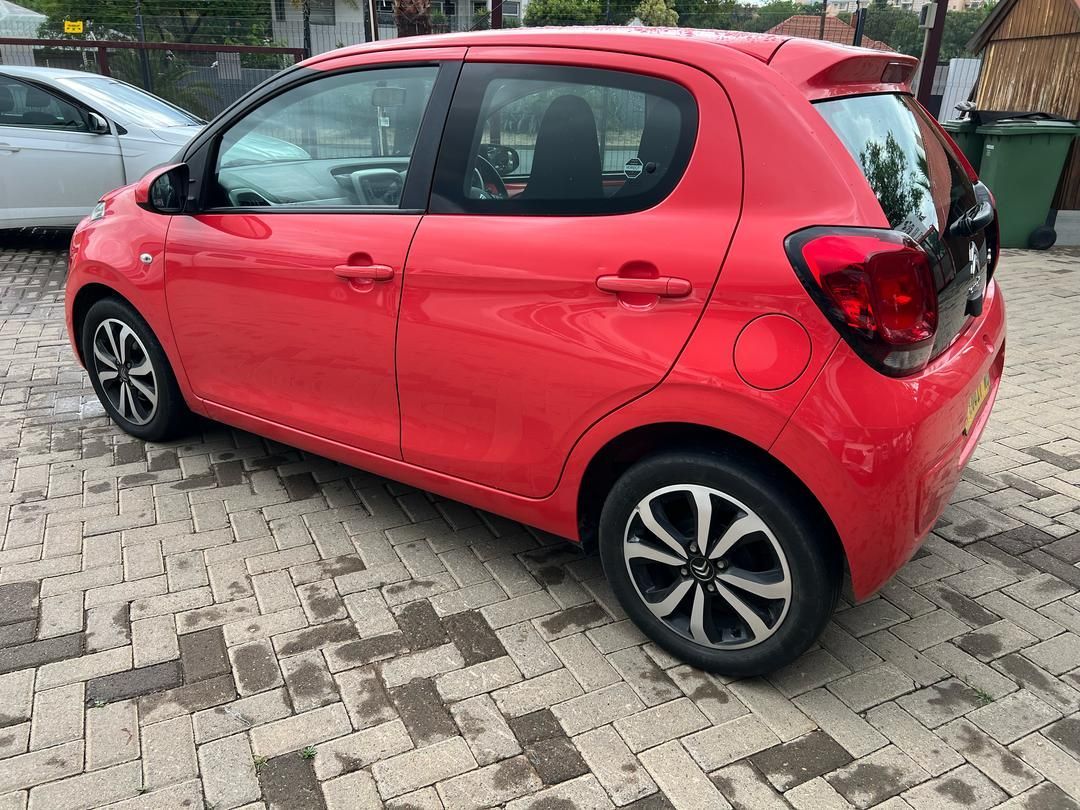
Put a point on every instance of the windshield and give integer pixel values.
(131, 104)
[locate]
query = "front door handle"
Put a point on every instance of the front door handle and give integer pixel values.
(7, 147)
(664, 286)
(365, 272)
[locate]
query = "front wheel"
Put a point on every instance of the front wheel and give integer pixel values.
(130, 373)
(718, 562)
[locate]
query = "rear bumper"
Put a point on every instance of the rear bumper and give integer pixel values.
(884, 455)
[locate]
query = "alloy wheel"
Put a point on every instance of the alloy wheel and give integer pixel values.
(707, 566)
(122, 365)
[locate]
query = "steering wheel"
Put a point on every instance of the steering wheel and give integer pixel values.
(486, 182)
(503, 158)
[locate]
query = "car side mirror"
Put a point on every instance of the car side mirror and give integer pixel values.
(163, 190)
(98, 124)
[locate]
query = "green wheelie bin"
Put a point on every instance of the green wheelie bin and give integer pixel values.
(967, 138)
(1021, 162)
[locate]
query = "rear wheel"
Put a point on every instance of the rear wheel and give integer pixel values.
(130, 373)
(718, 562)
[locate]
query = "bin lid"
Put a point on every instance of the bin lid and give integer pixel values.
(959, 126)
(1028, 126)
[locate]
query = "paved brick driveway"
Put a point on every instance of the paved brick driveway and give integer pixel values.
(227, 622)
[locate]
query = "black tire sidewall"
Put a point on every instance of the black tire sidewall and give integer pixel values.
(814, 565)
(171, 411)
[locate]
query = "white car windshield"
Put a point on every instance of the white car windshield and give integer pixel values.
(130, 103)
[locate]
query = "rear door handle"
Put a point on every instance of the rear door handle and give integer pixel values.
(7, 147)
(366, 272)
(664, 286)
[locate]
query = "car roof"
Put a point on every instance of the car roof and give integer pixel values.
(45, 72)
(612, 37)
(816, 67)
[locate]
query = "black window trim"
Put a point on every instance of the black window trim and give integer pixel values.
(447, 195)
(201, 154)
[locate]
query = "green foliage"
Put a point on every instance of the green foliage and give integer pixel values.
(564, 12)
(657, 12)
(895, 27)
(170, 79)
(236, 21)
(960, 26)
(899, 191)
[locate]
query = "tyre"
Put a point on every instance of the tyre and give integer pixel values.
(718, 562)
(130, 373)
(1042, 238)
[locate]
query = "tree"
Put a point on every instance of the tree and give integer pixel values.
(959, 28)
(412, 17)
(712, 14)
(563, 12)
(895, 27)
(657, 13)
(226, 21)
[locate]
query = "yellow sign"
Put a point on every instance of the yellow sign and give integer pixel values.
(73, 26)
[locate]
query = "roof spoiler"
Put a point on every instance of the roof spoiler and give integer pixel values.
(821, 70)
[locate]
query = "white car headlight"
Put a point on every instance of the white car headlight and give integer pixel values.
(98, 211)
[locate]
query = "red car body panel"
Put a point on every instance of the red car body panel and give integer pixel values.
(267, 327)
(747, 352)
(539, 353)
(885, 474)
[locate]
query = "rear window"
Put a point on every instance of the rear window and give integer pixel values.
(920, 185)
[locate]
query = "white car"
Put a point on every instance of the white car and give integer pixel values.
(67, 137)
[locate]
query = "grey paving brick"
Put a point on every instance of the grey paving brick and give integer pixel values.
(594, 709)
(417, 703)
(680, 777)
(964, 787)
(941, 702)
(537, 693)
(857, 736)
(491, 785)
(721, 745)
(88, 790)
(361, 749)
(228, 772)
(614, 765)
(993, 759)
(38, 767)
(792, 763)
(58, 716)
(743, 786)
(928, 750)
(133, 682)
(1014, 716)
(877, 777)
(112, 735)
(168, 752)
(301, 730)
(240, 715)
(659, 724)
(422, 767)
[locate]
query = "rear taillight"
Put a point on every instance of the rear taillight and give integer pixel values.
(876, 287)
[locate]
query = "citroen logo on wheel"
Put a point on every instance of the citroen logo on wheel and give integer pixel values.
(701, 568)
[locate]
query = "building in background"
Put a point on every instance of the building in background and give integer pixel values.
(831, 29)
(18, 22)
(335, 23)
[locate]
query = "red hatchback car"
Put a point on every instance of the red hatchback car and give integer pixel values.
(721, 304)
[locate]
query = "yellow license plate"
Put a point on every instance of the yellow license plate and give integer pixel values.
(975, 402)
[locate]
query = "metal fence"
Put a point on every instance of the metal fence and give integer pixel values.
(203, 62)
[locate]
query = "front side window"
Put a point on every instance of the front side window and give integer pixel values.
(27, 105)
(532, 139)
(340, 141)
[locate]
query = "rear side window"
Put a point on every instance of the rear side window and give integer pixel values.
(551, 140)
(920, 185)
